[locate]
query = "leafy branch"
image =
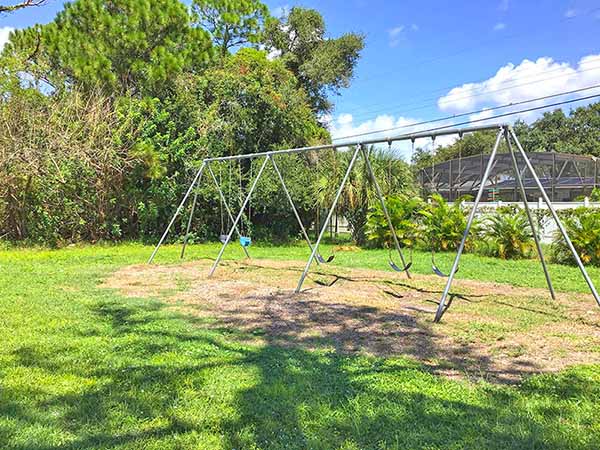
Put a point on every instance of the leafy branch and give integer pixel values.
(21, 5)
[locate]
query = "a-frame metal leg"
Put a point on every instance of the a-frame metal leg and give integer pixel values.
(559, 224)
(189, 225)
(442, 305)
(528, 211)
(289, 197)
(326, 221)
(187, 194)
(222, 196)
(384, 207)
(237, 219)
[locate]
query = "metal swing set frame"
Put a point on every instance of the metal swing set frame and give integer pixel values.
(505, 132)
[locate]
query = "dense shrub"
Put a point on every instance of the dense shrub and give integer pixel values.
(508, 233)
(583, 227)
(404, 213)
(84, 166)
(443, 225)
(63, 168)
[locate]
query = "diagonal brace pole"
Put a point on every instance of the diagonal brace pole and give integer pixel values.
(237, 219)
(528, 211)
(384, 207)
(559, 223)
(289, 197)
(187, 194)
(326, 222)
(486, 175)
(189, 225)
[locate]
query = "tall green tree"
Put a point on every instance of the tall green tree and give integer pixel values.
(322, 65)
(136, 46)
(246, 104)
(231, 23)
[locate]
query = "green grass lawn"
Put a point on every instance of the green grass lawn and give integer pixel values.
(83, 367)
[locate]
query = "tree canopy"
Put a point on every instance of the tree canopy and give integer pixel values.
(231, 23)
(120, 46)
(322, 65)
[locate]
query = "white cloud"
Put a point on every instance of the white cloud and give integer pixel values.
(398, 33)
(511, 84)
(394, 32)
(522, 82)
(570, 13)
(499, 26)
(343, 125)
(4, 35)
(345, 119)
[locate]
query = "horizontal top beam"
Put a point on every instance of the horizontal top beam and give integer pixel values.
(443, 131)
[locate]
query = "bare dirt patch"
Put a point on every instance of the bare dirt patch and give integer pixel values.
(492, 331)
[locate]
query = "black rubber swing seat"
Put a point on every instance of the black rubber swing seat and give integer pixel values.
(438, 272)
(323, 260)
(399, 269)
(223, 238)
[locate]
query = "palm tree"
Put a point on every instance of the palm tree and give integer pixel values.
(359, 195)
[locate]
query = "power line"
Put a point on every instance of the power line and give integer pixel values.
(481, 88)
(455, 116)
(537, 108)
(480, 43)
(479, 94)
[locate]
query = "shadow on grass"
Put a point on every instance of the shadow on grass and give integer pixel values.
(158, 380)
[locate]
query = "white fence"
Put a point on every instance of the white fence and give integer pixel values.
(549, 225)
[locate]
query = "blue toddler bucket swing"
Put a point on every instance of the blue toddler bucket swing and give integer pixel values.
(245, 241)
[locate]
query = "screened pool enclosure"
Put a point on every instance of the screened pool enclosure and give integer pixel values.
(565, 177)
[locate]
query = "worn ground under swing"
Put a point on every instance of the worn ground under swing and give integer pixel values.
(493, 331)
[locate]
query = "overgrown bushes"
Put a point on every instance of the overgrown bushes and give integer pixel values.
(64, 163)
(504, 232)
(108, 110)
(84, 166)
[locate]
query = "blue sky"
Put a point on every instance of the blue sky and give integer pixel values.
(418, 51)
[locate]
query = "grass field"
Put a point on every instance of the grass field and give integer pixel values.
(82, 366)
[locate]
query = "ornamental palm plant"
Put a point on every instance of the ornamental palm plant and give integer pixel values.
(509, 234)
(359, 195)
(583, 227)
(444, 224)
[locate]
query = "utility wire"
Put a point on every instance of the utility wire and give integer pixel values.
(451, 99)
(482, 81)
(422, 62)
(512, 113)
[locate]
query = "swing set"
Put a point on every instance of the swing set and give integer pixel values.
(242, 229)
